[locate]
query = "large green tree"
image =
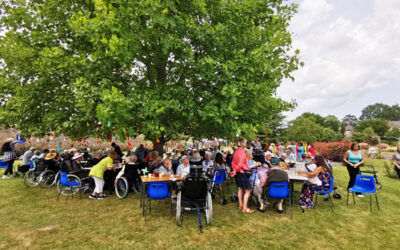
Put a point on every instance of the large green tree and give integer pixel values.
(162, 68)
(381, 111)
(306, 129)
(379, 126)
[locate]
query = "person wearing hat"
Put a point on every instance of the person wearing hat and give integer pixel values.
(184, 167)
(76, 161)
(97, 173)
(165, 167)
(8, 149)
(275, 174)
(51, 161)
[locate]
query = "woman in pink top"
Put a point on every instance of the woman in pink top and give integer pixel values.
(239, 165)
(311, 149)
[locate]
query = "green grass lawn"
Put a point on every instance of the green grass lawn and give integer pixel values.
(31, 218)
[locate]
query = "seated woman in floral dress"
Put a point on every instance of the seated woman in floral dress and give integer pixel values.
(323, 173)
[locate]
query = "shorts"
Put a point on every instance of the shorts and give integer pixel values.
(242, 181)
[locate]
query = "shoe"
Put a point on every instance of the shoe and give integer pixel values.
(279, 211)
(92, 197)
(261, 210)
(5, 177)
(100, 197)
(360, 195)
(104, 196)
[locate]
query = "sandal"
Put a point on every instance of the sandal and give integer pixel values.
(261, 210)
(240, 207)
(247, 211)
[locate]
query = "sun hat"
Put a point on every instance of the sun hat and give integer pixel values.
(50, 156)
(77, 155)
(267, 153)
(184, 157)
(274, 161)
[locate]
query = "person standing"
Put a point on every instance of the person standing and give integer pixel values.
(292, 148)
(396, 161)
(141, 153)
(26, 158)
(239, 165)
(353, 159)
(311, 149)
(8, 150)
(117, 150)
(299, 150)
(97, 173)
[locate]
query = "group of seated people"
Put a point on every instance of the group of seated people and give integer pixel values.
(273, 168)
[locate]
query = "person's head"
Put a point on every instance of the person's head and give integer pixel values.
(113, 144)
(131, 159)
(159, 159)
(321, 162)
(153, 155)
(196, 156)
(108, 150)
(310, 144)
(207, 156)
(185, 160)
(300, 144)
(303, 156)
(274, 161)
(37, 152)
(99, 154)
(167, 162)
(268, 156)
(242, 142)
(46, 151)
(249, 154)
(66, 151)
(355, 147)
(141, 146)
(32, 149)
(284, 156)
(219, 159)
(113, 155)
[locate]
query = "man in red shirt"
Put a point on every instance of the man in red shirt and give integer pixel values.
(239, 165)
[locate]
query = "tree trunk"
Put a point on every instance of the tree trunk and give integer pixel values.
(160, 146)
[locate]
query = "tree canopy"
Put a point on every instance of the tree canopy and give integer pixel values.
(381, 111)
(350, 120)
(379, 126)
(162, 68)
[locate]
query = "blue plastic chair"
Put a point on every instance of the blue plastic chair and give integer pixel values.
(3, 164)
(218, 178)
(364, 184)
(66, 184)
(157, 191)
(279, 190)
(328, 192)
(31, 165)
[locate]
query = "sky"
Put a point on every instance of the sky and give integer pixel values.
(351, 55)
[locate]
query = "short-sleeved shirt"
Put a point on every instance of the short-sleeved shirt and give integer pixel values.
(239, 162)
(396, 157)
(99, 169)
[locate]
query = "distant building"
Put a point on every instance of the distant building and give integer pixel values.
(348, 131)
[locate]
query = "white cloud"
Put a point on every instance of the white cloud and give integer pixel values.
(348, 54)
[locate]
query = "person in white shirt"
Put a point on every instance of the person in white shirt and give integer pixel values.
(184, 167)
(207, 163)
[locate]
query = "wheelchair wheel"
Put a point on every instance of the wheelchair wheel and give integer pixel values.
(65, 191)
(30, 179)
(209, 209)
(179, 215)
(122, 187)
(46, 179)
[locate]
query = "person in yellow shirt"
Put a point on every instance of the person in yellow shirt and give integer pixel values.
(97, 173)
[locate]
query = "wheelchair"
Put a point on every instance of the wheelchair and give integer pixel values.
(194, 194)
(41, 174)
(128, 180)
(77, 175)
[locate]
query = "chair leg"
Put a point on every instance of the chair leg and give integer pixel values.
(170, 208)
(316, 200)
(59, 193)
(330, 202)
(290, 207)
(347, 204)
(354, 199)
(376, 198)
(266, 209)
(370, 202)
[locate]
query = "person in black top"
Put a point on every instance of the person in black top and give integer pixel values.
(117, 150)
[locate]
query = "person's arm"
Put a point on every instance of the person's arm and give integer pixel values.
(312, 174)
(346, 156)
(395, 162)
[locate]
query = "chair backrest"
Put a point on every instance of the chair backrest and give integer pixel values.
(3, 164)
(366, 181)
(219, 176)
(41, 165)
(64, 178)
(196, 171)
(158, 190)
(195, 188)
(279, 190)
(31, 164)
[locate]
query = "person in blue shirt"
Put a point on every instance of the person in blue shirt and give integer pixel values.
(353, 159)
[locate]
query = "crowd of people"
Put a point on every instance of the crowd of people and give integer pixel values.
(271, 164)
